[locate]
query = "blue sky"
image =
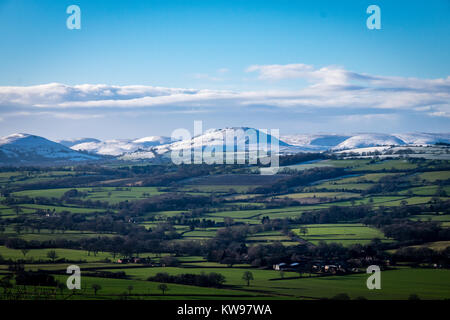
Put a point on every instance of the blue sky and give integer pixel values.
(301, 66)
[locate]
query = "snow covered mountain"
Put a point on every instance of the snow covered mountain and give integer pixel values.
(25, 148)
(120, 147)
(424, 138)
(322, 142)
(217, 137)
(241, 138)
(369, 140)
(108, 147)
(153, 141)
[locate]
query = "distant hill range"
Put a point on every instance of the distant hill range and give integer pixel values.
(22, 148)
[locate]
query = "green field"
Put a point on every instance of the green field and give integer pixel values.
(41, 254)
(330, 195)
(387, 165)
(434, 176)
(345, 234)
(114, 288)
(106, 194)
(395, 284)
(343, 187)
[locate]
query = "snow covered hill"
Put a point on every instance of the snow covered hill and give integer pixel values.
(25, 148)
(424, 138)
(153, 141)
(241, 138)
(369, 140)
(119, 147)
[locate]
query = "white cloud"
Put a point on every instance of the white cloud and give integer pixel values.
(330, 87)
(333, 75)
(56, 93)
(329, 75)
(73, 116)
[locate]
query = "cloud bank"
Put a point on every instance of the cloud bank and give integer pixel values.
(328, 87)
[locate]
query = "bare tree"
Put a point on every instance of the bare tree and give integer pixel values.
(61, 286)
(163, 287)
(247, 276)
(52, 255)
(24, 251)
(130, 288)
(96, 287)
(303, 231)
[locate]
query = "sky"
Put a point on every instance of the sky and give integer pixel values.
(141, 68)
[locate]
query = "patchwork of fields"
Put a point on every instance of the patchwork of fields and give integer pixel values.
(365, 183)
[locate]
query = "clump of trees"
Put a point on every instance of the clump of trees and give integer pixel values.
(423, 255)
(213, 279)
(38, 278)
